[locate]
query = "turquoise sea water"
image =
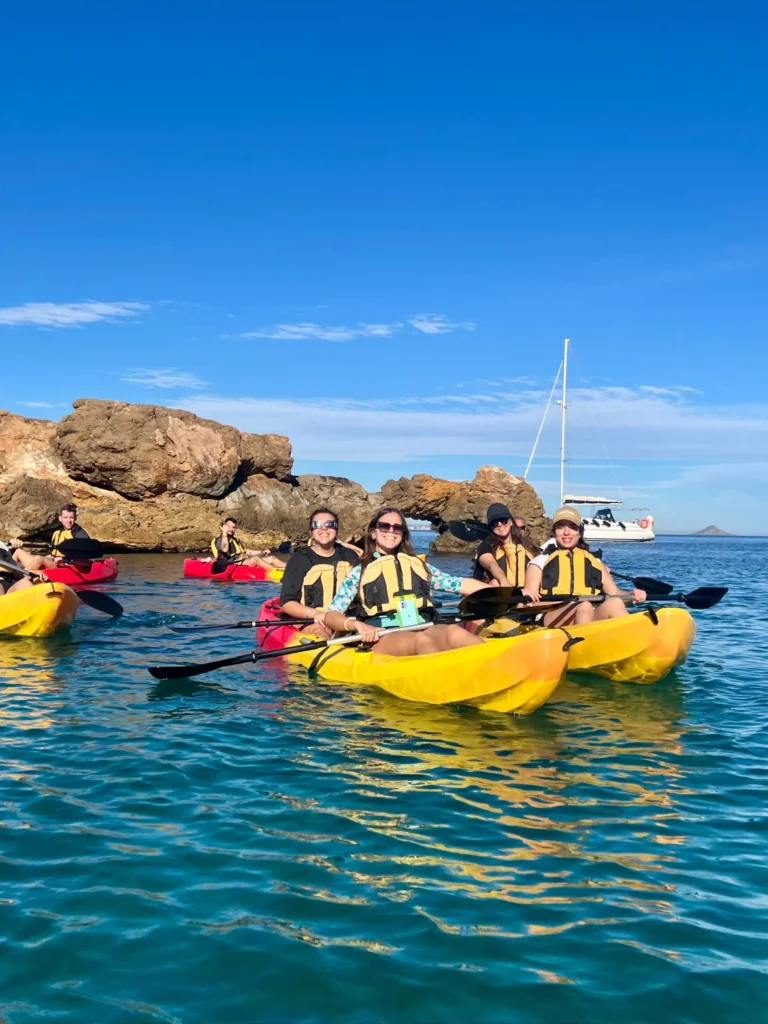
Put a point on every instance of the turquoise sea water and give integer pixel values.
(252, 846)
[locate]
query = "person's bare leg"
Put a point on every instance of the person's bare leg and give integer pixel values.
(560, 617)
(585, 613)
(33, 563)
(265, 561)
(428, 641)
(19, 585)
(613, 608)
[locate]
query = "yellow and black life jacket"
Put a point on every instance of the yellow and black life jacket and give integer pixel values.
(389, 579)
(571, 572)
(321, 582)
(513, 560)
(77, 532)
(236, 549)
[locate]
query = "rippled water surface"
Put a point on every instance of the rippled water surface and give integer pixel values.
(252, 846)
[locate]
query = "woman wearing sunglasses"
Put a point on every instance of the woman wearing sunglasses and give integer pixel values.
(504, 556)
(314, 573)
(571, 570)
(393, 587)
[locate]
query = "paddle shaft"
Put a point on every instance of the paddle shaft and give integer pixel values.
(185, 671)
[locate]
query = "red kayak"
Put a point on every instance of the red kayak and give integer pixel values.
(79, 574)
(272, 638)
(200, 569)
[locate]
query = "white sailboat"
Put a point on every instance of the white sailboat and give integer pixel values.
(599, 524)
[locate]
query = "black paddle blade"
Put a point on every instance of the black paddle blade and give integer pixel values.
(185, 671)
(655, 588)
(284, 548)
(469, 530)
(101, 602)
(84, 549)
(492, 602)
(704, 597)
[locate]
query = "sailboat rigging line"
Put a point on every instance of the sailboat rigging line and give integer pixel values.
(564, 404)
(601, 438)
(543, 420)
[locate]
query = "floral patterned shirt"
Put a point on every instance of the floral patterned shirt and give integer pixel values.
(345, 595)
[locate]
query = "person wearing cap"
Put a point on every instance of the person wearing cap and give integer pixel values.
(572, 570)
(503, 557)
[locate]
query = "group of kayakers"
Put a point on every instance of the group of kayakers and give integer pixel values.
(338, 590)
(341, 588)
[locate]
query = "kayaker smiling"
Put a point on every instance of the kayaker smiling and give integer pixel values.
(571, 569)
(505, 555)
(392, 586)
(68, 529)
(314, 573)
(228, 549)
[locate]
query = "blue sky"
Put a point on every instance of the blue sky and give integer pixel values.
(369, 227)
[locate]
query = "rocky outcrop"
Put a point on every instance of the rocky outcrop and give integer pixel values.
(141, 451)
(442, 500)
(145, 477)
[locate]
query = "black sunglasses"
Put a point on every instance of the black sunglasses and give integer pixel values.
(389, 527)
(500, 522)
(318, 524)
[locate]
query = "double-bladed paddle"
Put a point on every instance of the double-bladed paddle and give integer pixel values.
(82, 549)
(93, 598)
(472, 530)
(185, 671)
(242, 624)
(494, 602)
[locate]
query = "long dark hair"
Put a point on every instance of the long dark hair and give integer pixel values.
(516, 536)
(406, 544)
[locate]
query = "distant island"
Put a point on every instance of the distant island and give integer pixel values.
(711, 531)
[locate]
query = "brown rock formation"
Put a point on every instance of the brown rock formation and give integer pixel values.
(141, 451)
(149, 478)
(425, 497)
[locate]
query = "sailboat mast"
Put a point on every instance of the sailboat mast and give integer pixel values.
(564, 404)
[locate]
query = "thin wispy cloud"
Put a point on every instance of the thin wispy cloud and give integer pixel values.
(621, 423)
(308, 331)
(168, 378)
(437, 323)
(426, 323)
(68, 314)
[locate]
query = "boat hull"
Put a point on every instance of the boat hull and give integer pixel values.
(38, 610)
(517, 675)
(630, 649)
(83, 573)
(200, 569)
(624, 532)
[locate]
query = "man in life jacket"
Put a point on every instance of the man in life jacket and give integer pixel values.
(503, 557)
(68, 529)
(314, 573)
(228, 549)
(570, 569)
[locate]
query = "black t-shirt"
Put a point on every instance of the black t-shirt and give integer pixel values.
(301, 562)
(485, 547)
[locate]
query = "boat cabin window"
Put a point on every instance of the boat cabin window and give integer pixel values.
(605, 514)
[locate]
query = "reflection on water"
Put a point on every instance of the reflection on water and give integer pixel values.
(186, 851)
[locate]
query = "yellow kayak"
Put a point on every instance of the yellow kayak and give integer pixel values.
(38, 610)
(630, 649)
(517, 674)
